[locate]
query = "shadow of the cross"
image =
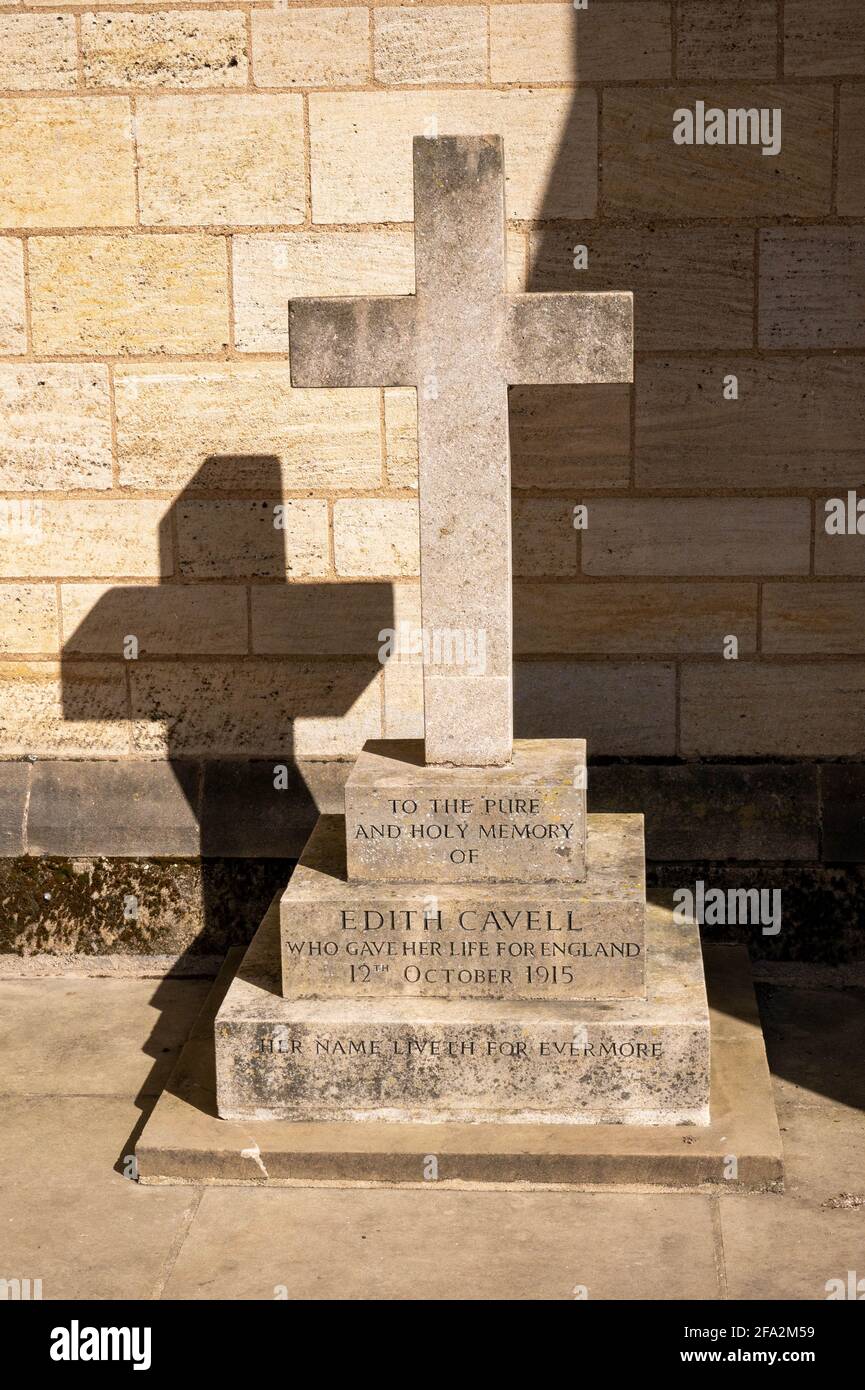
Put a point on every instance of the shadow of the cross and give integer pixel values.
(233, 672)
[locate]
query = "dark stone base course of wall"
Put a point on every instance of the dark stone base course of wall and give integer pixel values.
(202, 907)
(822, 907)
(202, 847)
(199, 907)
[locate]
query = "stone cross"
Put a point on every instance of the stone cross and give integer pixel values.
(461, 340)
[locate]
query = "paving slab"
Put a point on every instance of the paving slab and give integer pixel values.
(824, 1154)
(780, 1247)
(814, 1044)
(67, 1216)
(397, 1245)
(93, 1036)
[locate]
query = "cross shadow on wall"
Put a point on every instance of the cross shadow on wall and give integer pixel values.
(242, 678)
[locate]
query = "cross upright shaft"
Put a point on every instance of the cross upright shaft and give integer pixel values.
(461, 340)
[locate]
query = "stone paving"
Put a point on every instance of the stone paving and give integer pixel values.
(84, 1060)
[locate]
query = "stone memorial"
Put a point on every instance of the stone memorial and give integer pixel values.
(466, 944)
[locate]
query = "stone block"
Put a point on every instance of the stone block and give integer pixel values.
(413, 46)
(564, 436)
(552, 1062)
(610, 42)
(221, 159)
(252, 809)
(620, 708)
(837, 557)
(36, 709)
(480, 940)
(775, 436)
(403, 700)
(827, 40)
(114, 809)
(781, 709)
(712, 811)
(38, 52)
(331, 619)
(400, 436)
(551, 618)
(167, 49)
(13, 312)
(28, 619)
(543, 539)
(165, 620)
(315, 709)
(243, 427)
(645, 172)
(727, 38)
(851, 141)
(523, 823)
(250, 540)
(160, 293)
(14, 788)
(104, 538)
(820, 618)
(697, 536)
(66, 161)
(812, 290)
(362, 161)
(310, 47)
(55, 426)
(376, 536)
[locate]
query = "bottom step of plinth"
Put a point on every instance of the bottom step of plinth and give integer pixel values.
(184, 1141)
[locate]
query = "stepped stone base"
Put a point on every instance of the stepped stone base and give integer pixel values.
(476, 940)
(184, 1141)
(637, 1062)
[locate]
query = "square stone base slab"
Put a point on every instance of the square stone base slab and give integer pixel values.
(524, 822)
(346, 940)
(184, 1141)
(553, 1061)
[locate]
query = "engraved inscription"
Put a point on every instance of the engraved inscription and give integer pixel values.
(600, 1051)
(465, 824)
(499, 951)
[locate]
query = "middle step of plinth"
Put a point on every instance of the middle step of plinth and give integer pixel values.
(342, 939)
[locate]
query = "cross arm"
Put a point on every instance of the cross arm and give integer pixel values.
(352, 342)
(569, 338)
